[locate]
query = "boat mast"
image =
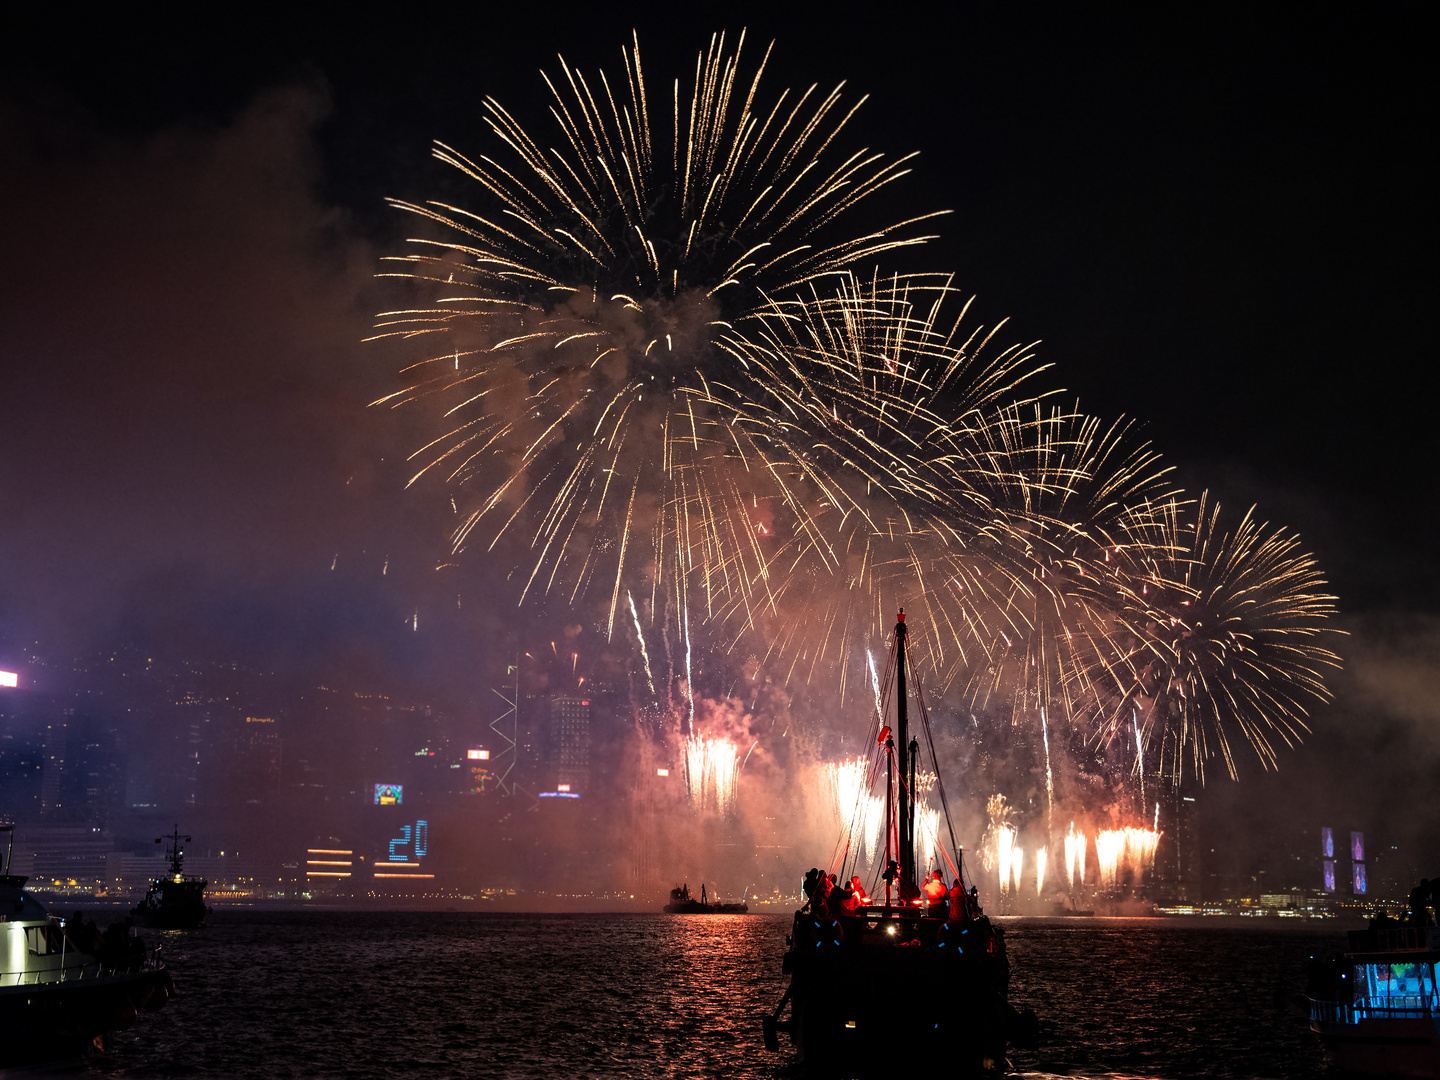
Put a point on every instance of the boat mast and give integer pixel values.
(907, 759)
(889, 812)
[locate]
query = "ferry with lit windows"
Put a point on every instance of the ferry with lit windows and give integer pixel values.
(65, 986)
(175, 901)
(1375, 1007)
(946, 978)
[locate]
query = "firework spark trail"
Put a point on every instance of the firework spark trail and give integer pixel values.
(875, 683)
(1075, 857)
(690, 683)
(1049, 777)
(1042, 856)
(848, 783)
(1139, 753)
(640, 637)
(874, 825)
(1017, 862)
(927, 828)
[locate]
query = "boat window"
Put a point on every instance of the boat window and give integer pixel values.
(44, 940)
(1393, 980)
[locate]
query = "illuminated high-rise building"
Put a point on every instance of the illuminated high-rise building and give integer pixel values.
(568, 744)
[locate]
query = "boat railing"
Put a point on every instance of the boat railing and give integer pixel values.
(95, 969)
(1411, 1007)
(42, 977)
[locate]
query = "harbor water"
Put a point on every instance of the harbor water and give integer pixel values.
(279, 995)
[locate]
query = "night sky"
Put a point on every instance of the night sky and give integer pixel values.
(1220, 223)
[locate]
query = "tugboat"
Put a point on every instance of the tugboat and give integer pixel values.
(174, 902)
(681, 903)
(1375, 1006)
(942, 963)
(65, 986)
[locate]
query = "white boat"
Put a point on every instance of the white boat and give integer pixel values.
(64, 988)
(1380, 1013)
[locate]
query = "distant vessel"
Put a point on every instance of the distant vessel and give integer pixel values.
(1376, 1006)
(880, 988)
(174, 902)
(63, 988)
(681, 903)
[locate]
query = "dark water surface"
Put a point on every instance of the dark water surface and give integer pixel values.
(310, 994)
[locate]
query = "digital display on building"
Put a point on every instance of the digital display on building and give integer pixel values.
(1327, 843)
(410, 842)
(1329, 867)
(9, 678)
(389, 794)
(1358, 880)
(1357, 847)
(478, 755)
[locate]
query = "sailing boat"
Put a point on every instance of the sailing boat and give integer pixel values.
(942, 963)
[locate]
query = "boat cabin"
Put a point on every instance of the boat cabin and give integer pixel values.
(1392, 974)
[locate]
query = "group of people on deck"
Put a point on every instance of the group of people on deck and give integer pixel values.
(953, 903)
(825, 894)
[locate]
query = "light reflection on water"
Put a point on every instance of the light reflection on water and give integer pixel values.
(310, 994)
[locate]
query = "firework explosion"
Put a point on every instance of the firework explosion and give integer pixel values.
(712, 769)
(1075, 857)
(663, 368)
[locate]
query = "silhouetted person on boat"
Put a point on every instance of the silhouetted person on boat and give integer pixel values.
(959, 903)
(811, 886)
(858, 891)
(935, 895)
(892, 872)
(1419, 898)
(842, 900)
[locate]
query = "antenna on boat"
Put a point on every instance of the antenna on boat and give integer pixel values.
(10, 852)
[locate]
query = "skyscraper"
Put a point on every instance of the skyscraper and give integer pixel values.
(568, 745)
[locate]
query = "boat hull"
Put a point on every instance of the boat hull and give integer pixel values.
(165, 918)
(1382, 1047)
(173, 905)
(695, 907)
(53, 1021)
(950, 1014)
(844, 1015)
